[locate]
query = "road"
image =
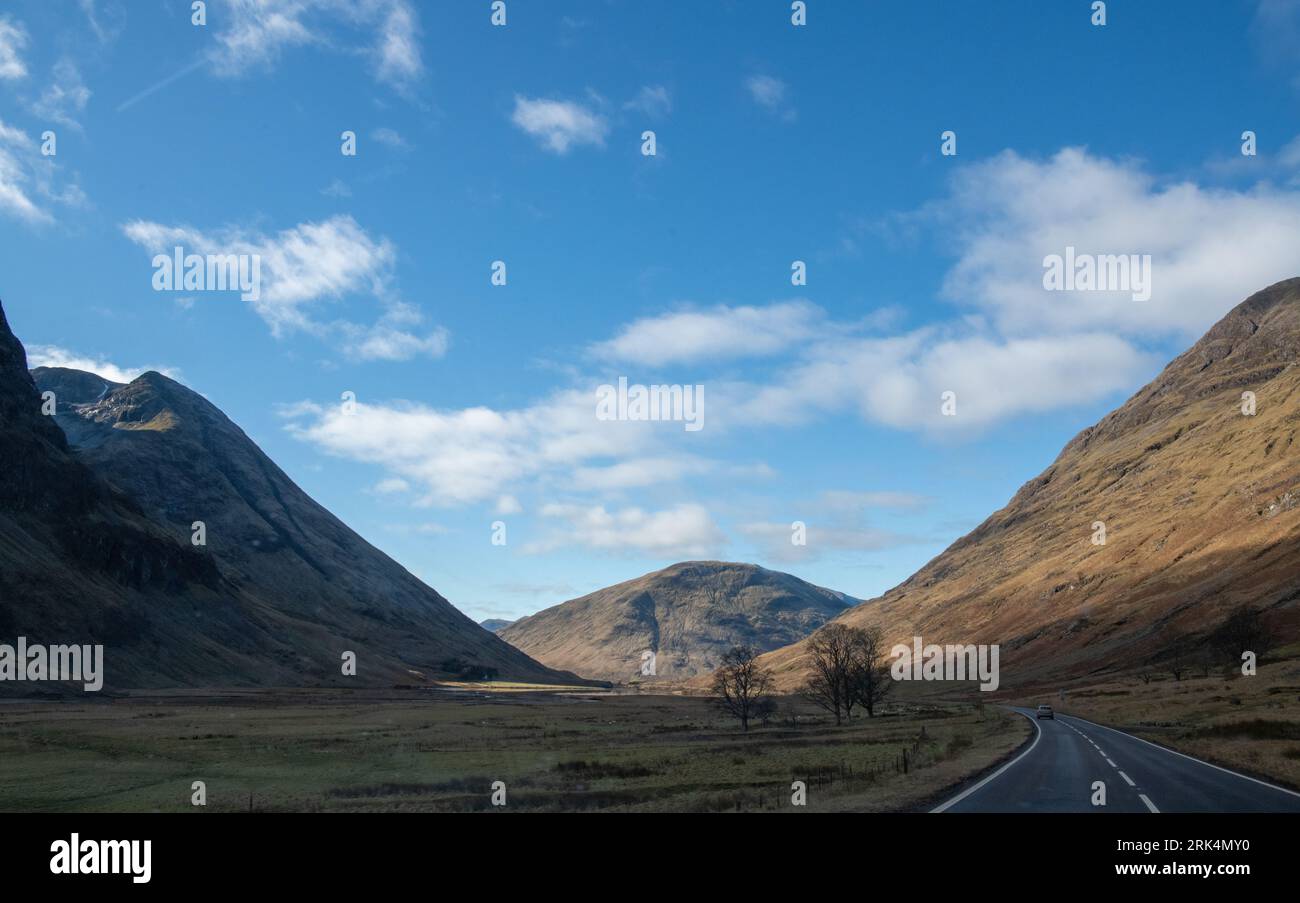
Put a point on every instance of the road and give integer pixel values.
(1055, 773)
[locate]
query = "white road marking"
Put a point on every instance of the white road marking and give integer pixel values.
(1127, 778)
(1112, 764)
(1150, 805)
(969, 790)
(1173, 752)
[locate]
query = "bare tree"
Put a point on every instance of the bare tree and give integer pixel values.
(831, 651)
(1242, 631)
(741, 684)
(869, 679)
(765, 709)
(1178, 655)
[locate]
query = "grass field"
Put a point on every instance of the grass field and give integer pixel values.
(440, 751)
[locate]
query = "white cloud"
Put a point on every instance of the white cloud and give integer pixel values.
(54, 356)
(652, 100)
(390, 137)
(16, 160)
(559, 125)
(300, 266)
(397, 51)
(303, 268)
(474, 455)
(900, 381)
(637, 473)
(13, 40)
(1276, 28)
(772, 94)
(28, 180)
(392, 486)
(682, 531)
(720, 333)
(106, 33)
(774, 539)
(1025, 349)
(65, 97)
(384, 342)
(508, 504)
(256, 32)
(337, 189)
(1210, 248)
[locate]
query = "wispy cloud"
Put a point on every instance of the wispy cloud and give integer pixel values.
(774, 540)
(390, 137)
(652, 100)
(13, 40)
(462, 456)
(15, 176)
(30, 183)
(772, 94)
(305, 266)
(257, 32)
(721, 332)
(107, 26)
(64, 98)
(559, 125)
(686, 530)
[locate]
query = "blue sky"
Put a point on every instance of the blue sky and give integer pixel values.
(522, 143)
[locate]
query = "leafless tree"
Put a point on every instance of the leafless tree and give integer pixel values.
(765, 709)
(831, 652)
(869, 679)
(1242, 631)
(1178, 655)
(741, 685)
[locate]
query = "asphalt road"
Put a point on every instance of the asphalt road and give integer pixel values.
(1056, 774)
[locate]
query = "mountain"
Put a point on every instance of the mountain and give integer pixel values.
(496, 625)
(1201, 507)
(97, 511)
(80, 562)
(688, 614)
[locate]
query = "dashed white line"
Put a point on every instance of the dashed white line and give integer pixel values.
(1174, 752)
(1111, 763)
(1127, 778)
(1150, 805)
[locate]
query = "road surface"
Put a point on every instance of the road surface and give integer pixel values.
(1055, 773)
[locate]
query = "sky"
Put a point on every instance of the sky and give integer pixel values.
(471, 448)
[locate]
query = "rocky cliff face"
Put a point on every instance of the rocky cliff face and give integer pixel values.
(1201, 508)
(688, 615)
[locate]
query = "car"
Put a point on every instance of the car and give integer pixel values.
(1045, 711)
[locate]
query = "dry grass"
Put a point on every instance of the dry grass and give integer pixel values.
(431, 751)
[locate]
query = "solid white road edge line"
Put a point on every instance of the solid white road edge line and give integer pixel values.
(969, 790)
(1185, 756)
